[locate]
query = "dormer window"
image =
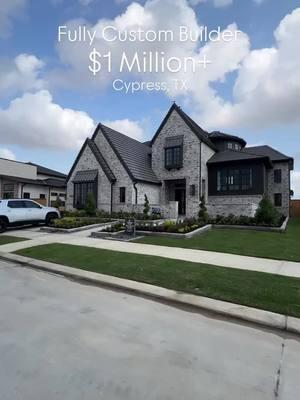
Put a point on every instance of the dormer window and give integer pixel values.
(230, 146)
(174, 152)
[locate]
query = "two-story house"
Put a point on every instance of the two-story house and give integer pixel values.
(180, 164)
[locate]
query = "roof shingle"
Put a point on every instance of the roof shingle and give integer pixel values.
(134, 155)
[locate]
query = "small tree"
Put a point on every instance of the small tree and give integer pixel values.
(146, 207)
(202, 214)
(90, 205)
(266, 212)
(58, 202)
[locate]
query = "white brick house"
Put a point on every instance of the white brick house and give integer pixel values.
(180, 164)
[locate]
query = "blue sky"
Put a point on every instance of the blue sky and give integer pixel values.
(49, 101)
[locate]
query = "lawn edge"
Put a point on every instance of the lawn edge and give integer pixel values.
(223, 308)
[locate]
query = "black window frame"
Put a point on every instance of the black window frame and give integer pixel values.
(173, 157)
(234, 179)
(42, 196)
(122, 194)
(81, 191)
(277, 175)
(26, 195)
(278, 199)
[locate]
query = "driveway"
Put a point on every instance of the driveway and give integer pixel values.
(60, 339)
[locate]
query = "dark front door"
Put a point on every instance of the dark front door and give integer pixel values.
(180, 197)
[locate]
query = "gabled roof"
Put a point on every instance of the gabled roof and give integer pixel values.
(234, 155)
(268, 151)
(198, 131)
(217, 135)
(134, 155)
(47, 171)
(99, 157)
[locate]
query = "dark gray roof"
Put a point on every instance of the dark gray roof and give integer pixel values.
(47, 171)
(217, 135)
(101, 160)
(86, 176)
(55, 182)
(40, 182)
(268, 151)
(232, 155)
(135, 156)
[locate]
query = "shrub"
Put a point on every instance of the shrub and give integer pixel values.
(75, 222)
(146, 207)
(202, 214)
(267, 213)
(90, 205)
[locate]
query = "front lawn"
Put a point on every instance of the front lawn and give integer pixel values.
(4, 239)
(285, 246)
(255, 289)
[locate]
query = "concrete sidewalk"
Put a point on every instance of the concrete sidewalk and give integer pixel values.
(285, 268)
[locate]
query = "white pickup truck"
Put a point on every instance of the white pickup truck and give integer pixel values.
(22, 212)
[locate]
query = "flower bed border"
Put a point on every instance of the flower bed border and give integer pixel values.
(50, 229)
(205, 228)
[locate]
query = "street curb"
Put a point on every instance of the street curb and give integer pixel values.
(226, 309)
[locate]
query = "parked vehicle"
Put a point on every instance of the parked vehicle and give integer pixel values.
(23, 212)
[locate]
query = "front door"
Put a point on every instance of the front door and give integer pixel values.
(180, 197)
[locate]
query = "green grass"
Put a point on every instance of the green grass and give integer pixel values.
(285, 246)
(4, 239)
(256, 289)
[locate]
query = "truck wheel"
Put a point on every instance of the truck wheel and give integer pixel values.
(3, 225)
(50, 218)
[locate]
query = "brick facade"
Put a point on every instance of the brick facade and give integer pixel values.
(191, 177)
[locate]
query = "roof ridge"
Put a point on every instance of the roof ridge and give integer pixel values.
(123, 134)
(100, 158)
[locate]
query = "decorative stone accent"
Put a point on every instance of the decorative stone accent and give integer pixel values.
(283, 187)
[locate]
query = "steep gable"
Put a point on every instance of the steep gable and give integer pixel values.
(195, 128)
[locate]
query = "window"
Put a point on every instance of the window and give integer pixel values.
(62, 195)
(54, 194)
(173, 157)
(26, 195)
(237, 147)
(122, 194)
(8, 190)
(229, 145)
(234, 179)
(81, 191)
(277, 175)
(30, 204)
(278, 199)
(42, 196)
(16, 204)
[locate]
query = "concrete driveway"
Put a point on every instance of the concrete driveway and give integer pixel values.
(60, 339)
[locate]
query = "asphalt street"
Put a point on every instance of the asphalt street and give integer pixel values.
(60, 339)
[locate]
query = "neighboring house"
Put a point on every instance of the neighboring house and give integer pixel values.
(180, 164)
(31, 181)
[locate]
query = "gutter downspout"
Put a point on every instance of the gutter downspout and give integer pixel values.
(136, 192)
(200, 172)
(111, 196)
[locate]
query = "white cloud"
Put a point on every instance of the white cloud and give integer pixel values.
(34, 120)
(6, 153)
(21, 73)
(128, 127)
(153, 15)
(85, 2)
(217, 3)
(295, 183)
(267, 90)
(9, 9)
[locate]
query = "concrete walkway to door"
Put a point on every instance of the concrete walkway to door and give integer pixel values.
(279, 267)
